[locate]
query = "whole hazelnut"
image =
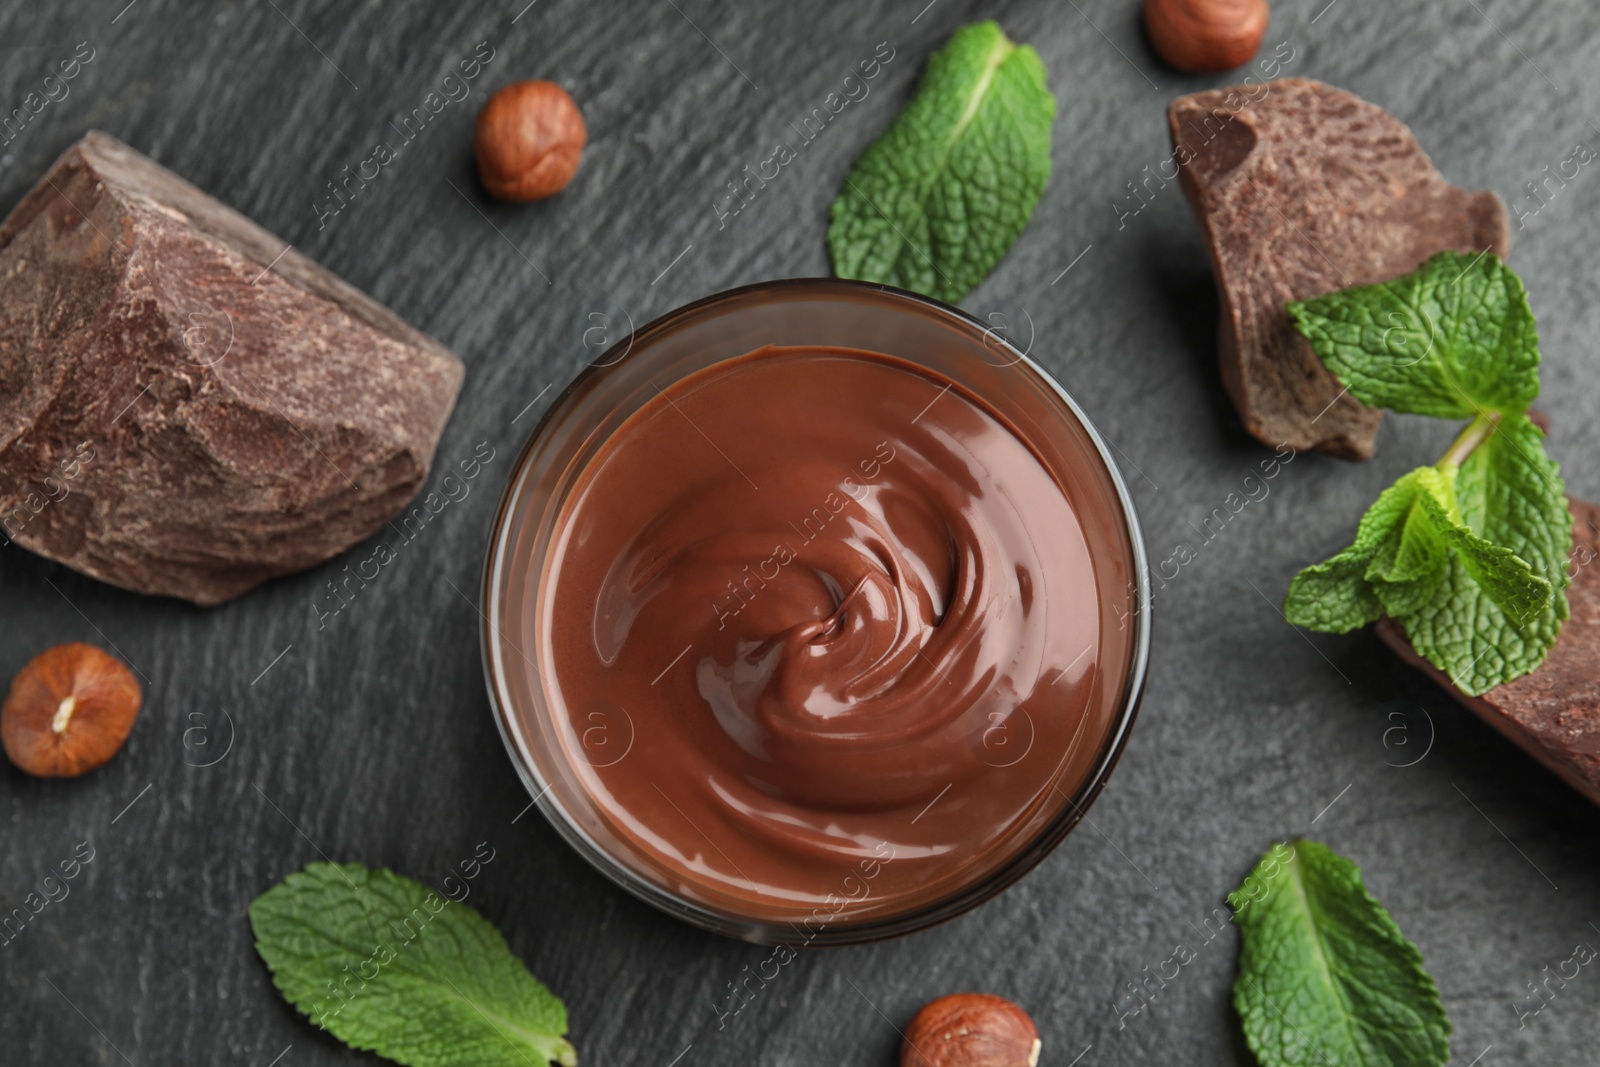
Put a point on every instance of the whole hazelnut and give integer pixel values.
(527, 141)
(1205, 36)
(970, 1030)
(68, 711)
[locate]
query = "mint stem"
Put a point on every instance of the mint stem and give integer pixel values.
(1476, 433)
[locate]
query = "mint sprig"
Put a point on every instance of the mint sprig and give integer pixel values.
(935, 202)
(1469, 555)
(387, 964)
(1325, 975)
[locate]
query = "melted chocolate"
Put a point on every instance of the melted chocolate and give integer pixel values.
(854, 622)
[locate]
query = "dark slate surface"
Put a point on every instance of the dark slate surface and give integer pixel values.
(369, 738)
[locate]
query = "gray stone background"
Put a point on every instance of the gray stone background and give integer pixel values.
(370, 739)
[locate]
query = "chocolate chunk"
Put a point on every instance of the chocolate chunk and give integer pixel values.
(1553, 712)
(187, 406)
(1303, 189)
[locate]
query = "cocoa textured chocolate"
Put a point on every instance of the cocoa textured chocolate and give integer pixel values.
(1303, 189)
(189, 407)
(1553, 712)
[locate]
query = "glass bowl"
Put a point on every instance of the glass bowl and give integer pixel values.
(553, 756)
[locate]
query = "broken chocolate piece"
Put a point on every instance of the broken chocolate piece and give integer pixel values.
(189, 407)
(1553, 712)
(1303, 189)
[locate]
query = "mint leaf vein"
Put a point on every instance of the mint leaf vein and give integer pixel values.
(387, 964)
(1325, 975)
(935, 202)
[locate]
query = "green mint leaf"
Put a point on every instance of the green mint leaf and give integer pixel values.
(1505, 578)
(1332, 597)
(1441, 552)
(1325, 975)
(1410, 562)
(1510, 492)
(1415, 547)
(1475, 629)
(1409, 567)
(1335, 597)
(1453, 339)
(387, 964)
(935, 202)
(1471, 639)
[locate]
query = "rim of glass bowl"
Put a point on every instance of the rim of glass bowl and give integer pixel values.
(867, 930)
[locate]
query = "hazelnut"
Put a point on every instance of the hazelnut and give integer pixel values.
(527, 141)
(68, 711)
(1205, 36)
(970, 1030)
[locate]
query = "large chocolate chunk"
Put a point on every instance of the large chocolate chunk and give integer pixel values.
(1303, 189)
(1554, 712)
(187, 406)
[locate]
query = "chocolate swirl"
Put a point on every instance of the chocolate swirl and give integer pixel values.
(848, 613)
